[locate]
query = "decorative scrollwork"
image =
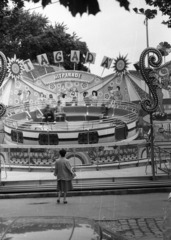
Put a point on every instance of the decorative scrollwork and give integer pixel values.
(149, 76)
(3, 61)
(3, 70)
(2, 109)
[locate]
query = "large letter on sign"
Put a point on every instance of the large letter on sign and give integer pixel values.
(106, 62)
(58, 56)
(90, 57)
(75, 56)
(28, 66)
(42, 59)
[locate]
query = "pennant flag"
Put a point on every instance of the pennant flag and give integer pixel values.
(58, 56)
(106, 62)
(28, 66)
(75, 56)
(90, 57)
(42, 59)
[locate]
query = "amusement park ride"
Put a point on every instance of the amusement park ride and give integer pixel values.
(46, 105)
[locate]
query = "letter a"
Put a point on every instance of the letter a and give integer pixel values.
(75, 56)
(106, 62)
(42, 59)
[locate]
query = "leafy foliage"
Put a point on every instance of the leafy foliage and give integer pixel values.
(124, 3)
(28, 35)
(91, 6)
(164, 6)
(74, 6)
(148, 13)
(81, 6)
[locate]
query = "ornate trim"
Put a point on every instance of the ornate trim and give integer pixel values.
(149, 75)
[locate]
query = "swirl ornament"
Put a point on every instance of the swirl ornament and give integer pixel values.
(149, 75)
(2, 109)
(3, 69)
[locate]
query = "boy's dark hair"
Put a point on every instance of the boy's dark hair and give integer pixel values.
(85, 94)
(62, 152)
(94, 92)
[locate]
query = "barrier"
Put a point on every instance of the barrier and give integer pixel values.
(121, 132)
(17, 136)
(48, 139)
(83, 138)
(43, 155)
(16, 116)
(43, 139)
(88, 137)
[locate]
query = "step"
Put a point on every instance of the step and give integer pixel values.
(86, 185)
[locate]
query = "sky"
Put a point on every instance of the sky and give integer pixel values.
(112, 32)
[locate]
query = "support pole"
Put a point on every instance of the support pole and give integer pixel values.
(152, 147)
(147, 35)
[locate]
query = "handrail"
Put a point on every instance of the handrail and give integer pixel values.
(161, 157)
(162, 162)
(122, 105)
(27, 152)
(82, 146)
(131, 116)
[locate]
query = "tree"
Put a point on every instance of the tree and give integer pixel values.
(28, 35)
(91, 6)
(79, 6)
(164, 6)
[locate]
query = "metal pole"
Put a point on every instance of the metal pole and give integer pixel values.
(151, 117)
(152, 147)
(147, 41)
(147, 36)
(74, 158)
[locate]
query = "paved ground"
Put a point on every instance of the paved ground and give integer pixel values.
(137, 228)
(137, 216)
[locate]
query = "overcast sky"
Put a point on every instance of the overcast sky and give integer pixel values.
(111, 32)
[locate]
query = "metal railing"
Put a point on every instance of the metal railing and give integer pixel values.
(103, 156)
(126, 113)
(90, 155)
(162, 159)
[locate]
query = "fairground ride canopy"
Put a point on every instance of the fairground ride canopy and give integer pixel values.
(53, 81)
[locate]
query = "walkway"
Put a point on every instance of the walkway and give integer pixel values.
(137, 216)
(128, 218)
(125, 171)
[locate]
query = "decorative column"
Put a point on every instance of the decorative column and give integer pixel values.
(150, 59)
